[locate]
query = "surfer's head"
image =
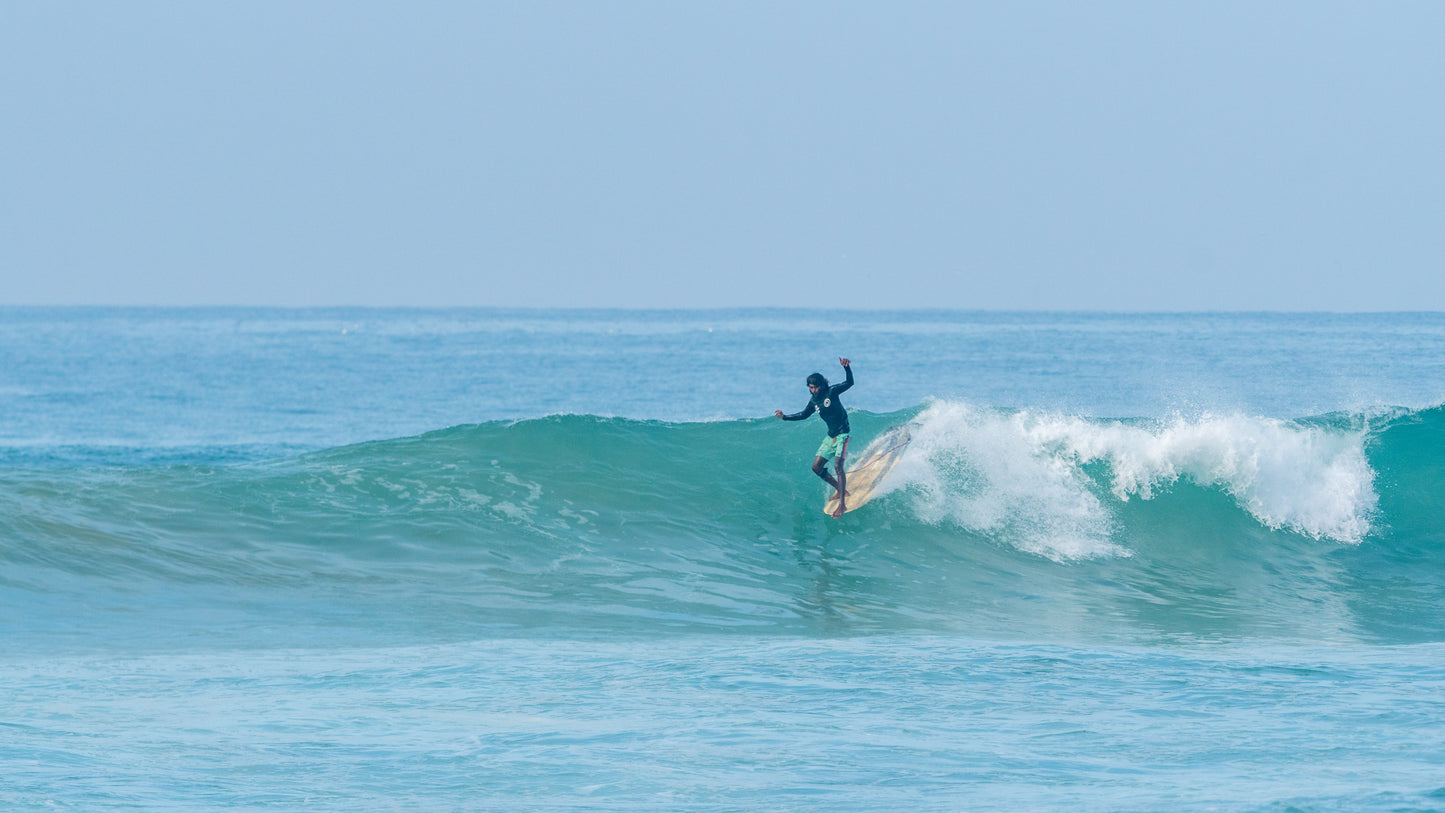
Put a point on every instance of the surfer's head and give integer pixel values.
(817, 383)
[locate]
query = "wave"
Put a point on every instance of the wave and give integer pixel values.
(1010, 522)
(1036, 479)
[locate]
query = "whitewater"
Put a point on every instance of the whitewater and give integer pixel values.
(561, 560)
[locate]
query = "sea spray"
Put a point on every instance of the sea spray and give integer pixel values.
(1029, 477)
(979, 469)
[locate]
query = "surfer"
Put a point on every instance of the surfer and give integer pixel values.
(825, 402)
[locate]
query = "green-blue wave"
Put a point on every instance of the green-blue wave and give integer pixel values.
(1001, 523)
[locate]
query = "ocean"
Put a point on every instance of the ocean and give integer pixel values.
(471, 559)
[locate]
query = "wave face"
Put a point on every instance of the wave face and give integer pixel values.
(1005, 523)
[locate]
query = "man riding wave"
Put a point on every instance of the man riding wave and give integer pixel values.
(825, 402)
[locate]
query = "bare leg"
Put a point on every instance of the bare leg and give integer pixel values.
(820, 468)
(842, 489)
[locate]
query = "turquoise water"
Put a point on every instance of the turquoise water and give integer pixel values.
(373, 559)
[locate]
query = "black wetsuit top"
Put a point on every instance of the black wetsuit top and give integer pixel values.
(827, 405)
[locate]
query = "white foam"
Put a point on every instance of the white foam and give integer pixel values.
(1019, 476)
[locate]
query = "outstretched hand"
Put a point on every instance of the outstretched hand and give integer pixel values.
(778, 412)
(844, 362)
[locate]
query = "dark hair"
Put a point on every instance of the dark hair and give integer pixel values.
(819, 380)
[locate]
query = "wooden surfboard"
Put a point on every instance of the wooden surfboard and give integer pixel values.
(870, 468)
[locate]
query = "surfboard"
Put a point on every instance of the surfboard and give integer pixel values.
(870, 468)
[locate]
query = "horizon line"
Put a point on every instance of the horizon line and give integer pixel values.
(711, 309)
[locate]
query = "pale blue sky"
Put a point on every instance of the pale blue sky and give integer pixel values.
(1121, 156)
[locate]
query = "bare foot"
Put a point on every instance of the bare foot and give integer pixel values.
(838, 512)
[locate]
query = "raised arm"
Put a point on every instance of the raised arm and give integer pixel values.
(847, 382)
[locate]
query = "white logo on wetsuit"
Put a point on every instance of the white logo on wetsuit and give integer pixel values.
(827, 402)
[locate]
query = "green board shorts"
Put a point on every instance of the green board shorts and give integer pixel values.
(834, 447)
